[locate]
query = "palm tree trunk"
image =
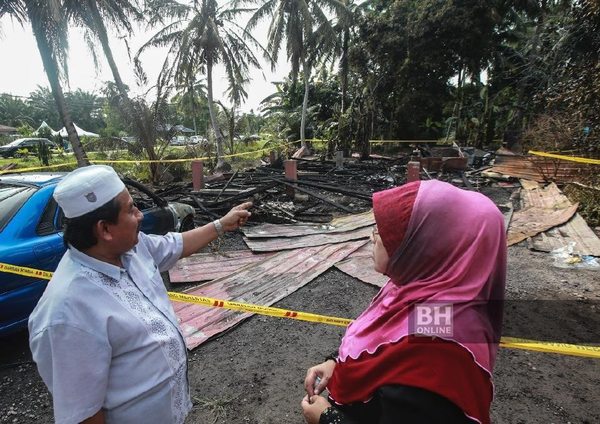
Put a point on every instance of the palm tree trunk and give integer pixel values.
(51, 68)
(306, 72)
(213, 116)
(103, 37)
(231, 123)
(344, 68)
(129, 108)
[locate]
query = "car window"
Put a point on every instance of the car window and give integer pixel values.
(48, 225)
(14, 143)
(12, 197)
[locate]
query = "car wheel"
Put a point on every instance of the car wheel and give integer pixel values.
(187, 224)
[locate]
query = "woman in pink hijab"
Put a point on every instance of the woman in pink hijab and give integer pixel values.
(424, 349)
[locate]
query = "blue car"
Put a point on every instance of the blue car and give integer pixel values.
(31, 235)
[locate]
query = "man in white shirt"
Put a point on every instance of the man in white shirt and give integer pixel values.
(104, 335)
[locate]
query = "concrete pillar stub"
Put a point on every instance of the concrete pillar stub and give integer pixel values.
(291, 173)
(339, 159)
(413, 171)
(197, 175)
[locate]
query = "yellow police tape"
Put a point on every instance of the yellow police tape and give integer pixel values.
(37, 168)
(510, 342)
(563, 157)
(551, 347)
(257, 309)
(25, 271)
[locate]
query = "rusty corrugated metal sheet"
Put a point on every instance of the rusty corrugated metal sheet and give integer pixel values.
(540, 169)
(543, 208)
(529, 222)
(283, 243)
(360, 265)
(574, 231)
(210, 266)
(337, 225)
(262, 283)
(549, 197)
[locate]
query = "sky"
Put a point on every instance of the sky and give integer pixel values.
(21, 70)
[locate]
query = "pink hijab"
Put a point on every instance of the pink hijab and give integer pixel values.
(453, 252)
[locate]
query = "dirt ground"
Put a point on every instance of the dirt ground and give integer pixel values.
(254, 372)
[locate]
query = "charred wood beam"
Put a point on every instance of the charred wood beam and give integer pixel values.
(265, 206)
(466, 181)
(315, 195)
(242, 195)
(220, 191)
(141, 187)
(226, 185)
(333, 189)
(305, 208)
(202, 208)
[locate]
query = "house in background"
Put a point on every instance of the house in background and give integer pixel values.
(6, 130)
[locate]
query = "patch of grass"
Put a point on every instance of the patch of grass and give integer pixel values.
(216, 407)
(588, 198)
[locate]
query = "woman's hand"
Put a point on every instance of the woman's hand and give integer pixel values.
(324, 372)
(313, 407)
(236, 217)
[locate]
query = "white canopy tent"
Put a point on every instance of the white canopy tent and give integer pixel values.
(80, 132)
(44, 125)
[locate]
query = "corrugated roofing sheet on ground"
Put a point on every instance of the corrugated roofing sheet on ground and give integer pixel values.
(549, 197)
(360, 265)
(337, 225)
(283, 243)
(543, 208)
(574, 231)
(210, 266)
(539, 168)
(262, 283)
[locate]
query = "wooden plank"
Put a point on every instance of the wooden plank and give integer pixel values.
(337, 225)
(285, 243)
(263, 283)
(313, 194)
(210, 266)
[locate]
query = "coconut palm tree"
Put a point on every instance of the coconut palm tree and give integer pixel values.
(308, 33)
(201, 36)
(93, 15)
(50, 30)
(190, 95)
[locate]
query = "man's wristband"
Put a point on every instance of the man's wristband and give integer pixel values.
(218, 227)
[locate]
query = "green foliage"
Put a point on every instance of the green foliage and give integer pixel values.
(25, 130)
(43, 107)
(14, 111)
(86, 110)
(474, 70)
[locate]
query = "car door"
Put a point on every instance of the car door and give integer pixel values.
(31, 238)
(50, 248)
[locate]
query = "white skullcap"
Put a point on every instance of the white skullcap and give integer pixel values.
(86, 189)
